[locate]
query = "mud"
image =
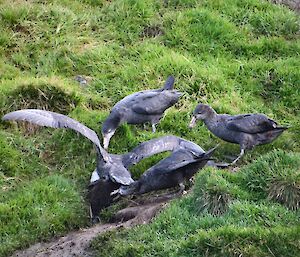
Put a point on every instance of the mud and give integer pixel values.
(76, 243)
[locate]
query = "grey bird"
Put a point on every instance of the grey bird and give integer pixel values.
(111, 170)
(139, 108)
(172, 171)
(247, 130)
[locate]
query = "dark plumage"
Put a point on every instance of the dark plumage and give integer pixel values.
(99, 195)
(110, 172)
(112, 169)
(247, 130)
(181, 165)
(141, 107)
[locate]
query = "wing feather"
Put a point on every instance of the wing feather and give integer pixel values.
(154, 103)
(251, 123)
(55, 120)
(159, 145)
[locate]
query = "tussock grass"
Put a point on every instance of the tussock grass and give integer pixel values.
(198, 223)
(212, 193)
(286, 192)
(240, 56)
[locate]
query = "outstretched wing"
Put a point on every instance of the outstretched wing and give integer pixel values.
(251, 123)
(56, 120)
(176, 160)
(159, 145)
(179, 159)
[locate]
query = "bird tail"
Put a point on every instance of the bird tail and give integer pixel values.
(268, 137)
(207, 155)
(169, 84)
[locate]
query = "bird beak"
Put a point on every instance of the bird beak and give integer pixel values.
(209, 153)
(106, 138)
(193, 122)
(106, 142)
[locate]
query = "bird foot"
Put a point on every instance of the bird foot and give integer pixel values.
(95, 220)
(234, 162)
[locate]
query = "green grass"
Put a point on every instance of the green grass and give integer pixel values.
(40, 209)
(244, 225)
(240, 56)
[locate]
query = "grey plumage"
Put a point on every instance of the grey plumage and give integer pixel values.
(110, 172)
(158, 145)
(112, 169)
(181, 165)
(247, 130)
(141, 107)
(106, 167)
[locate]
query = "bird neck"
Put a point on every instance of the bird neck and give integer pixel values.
(211, 121)
(111, 123)
(211, 117)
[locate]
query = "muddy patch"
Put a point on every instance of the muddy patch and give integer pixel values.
(77, 243)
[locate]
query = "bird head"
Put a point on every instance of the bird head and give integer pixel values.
(109, 127)
(201, 112)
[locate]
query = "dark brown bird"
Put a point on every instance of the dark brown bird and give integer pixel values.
(247, 130)
(172, 171)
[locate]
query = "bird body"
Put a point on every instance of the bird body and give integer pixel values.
(141, 107)
(112, 170)
(247, 130)
(181, 165)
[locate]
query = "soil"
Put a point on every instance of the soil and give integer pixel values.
(292, 4)
(77, 243)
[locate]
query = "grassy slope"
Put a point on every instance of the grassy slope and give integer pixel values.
(237, 55)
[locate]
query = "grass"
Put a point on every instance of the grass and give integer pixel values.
(243, 225)
(237, 55)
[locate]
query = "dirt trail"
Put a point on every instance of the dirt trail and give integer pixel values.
(292, 4)
(76, 243)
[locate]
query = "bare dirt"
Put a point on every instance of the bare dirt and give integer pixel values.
(76, 243)
(292, 4)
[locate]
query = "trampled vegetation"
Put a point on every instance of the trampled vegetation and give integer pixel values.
(240, 56)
